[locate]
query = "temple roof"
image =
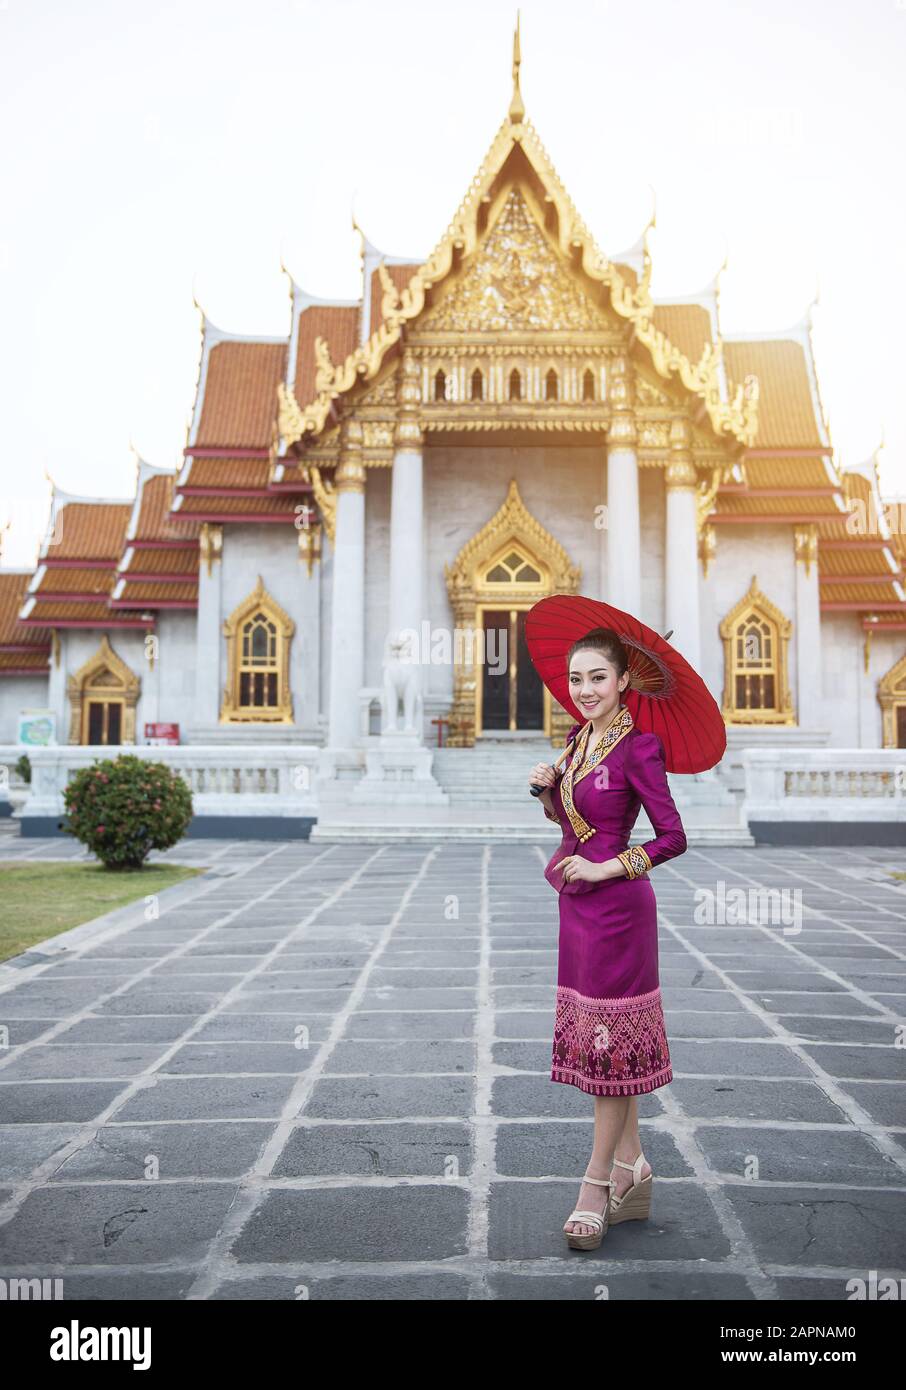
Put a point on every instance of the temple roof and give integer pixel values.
(235, 403)
(23, 650)
(159, 564)
(338, 325)
(77, 565)
(89, 529)
(788, 413)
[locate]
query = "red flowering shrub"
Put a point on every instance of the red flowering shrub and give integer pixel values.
(124, 807)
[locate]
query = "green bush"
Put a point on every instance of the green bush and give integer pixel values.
(124, 807)
(23, 767)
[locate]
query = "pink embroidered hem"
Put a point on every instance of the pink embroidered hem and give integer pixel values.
(610, 1047)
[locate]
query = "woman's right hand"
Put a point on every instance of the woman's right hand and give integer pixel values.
(542, 775)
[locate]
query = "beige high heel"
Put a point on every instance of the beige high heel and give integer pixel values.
(593, 1239)
(635, 1203)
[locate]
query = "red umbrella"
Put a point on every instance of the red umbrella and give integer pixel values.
(665, 696)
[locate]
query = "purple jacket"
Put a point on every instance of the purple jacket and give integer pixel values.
(633, 775)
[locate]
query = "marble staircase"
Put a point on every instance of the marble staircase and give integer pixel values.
(489, 798)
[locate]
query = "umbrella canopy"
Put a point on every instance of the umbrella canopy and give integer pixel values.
(665, 695)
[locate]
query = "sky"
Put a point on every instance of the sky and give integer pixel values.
(156, 153)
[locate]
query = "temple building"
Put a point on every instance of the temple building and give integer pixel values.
(512, 417)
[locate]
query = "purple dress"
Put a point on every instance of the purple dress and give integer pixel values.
(609, 1034)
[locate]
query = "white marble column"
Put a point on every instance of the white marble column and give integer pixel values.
(624, 548)
(407, 511)
(347, 628)
(681, 602)
(209, 665)
(808, 630)
(56, 684)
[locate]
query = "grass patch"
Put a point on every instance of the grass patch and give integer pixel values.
(42, 899)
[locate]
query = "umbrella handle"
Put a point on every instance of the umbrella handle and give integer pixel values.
(534, 788)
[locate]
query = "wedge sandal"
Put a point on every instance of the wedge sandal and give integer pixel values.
(593, 1238)
(635, 1203)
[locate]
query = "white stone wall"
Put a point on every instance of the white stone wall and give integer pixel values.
(851, 693)
(16, 694)
(168, 691)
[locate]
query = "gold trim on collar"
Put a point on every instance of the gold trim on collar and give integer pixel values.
(580, 766)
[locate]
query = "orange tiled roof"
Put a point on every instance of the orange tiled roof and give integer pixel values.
(864, 594)
(239, 506)
(761, 504)
(400, 275)
(12, 597)
(786, 412)
(292, 474)
(788, 472)
(688, 326)
(228, 473)
(240, 394)
(142, 593)
(154, 509)
(87, 582)
(90, 531)
(338, 325)
(165, 562)
(97, 612)
(22, 663)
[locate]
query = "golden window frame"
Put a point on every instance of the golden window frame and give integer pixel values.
(755, 605)
(232, 710)
(107, 679)
(892, 697)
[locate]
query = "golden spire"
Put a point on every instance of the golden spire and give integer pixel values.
(517, 107)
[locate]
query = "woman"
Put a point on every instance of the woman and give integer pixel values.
(609, 1035)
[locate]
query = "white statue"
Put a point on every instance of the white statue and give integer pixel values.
(401, 683)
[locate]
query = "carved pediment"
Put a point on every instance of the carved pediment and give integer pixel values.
(515, 283)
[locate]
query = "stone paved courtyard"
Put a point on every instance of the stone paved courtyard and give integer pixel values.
(323, 1071)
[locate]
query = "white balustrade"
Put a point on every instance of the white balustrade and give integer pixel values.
(825, 784)
(270, 780)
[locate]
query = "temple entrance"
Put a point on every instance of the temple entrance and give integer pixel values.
(497, 577)
(512, 693)
(102, 697)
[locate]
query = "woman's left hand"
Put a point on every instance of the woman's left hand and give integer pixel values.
(574, 866)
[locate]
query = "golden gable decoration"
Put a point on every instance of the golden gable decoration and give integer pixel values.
(515, 146)
(516, 284)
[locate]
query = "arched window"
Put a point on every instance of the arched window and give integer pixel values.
(756, 636)
(551, 386)
(477, 387)
(258, 637)
(513, 568)
(440, 385)
(515, 385)
(588, 385)
(892, 698)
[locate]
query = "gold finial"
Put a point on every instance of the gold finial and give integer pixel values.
(517, 107)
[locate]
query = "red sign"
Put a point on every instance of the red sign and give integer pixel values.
(159, 734)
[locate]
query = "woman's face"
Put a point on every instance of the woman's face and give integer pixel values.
(594, 685)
